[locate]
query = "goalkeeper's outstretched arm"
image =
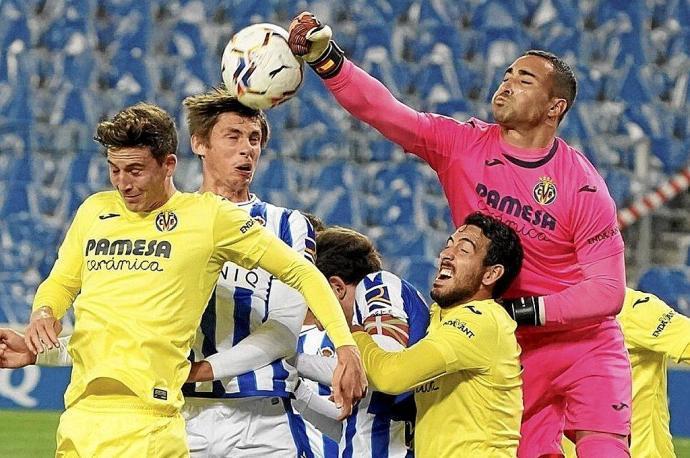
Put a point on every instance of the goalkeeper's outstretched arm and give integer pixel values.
(360, 94)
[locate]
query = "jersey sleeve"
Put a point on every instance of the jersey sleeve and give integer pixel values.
(649, 324)
(59, 290)
(434, 138)
(595, 225)
(237, 236)
(381, 311)
(465, 342)
(599, 250)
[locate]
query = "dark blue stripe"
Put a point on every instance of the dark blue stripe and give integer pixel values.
(279, 375)
(380, 436)
(309, 241)
(330, 447)
(285, 232)
(208, 327)
(417, 312)
(324, 390)
(299, 431)
(300, 343)
(208, 346)
(259, 210)
(376, 281)
(241, 316)
(350, 430)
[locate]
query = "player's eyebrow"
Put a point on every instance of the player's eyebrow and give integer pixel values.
(128, 166)
(235, 130)
(521, 72)
(470, 241)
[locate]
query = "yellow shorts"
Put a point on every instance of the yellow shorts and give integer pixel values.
(119, 426)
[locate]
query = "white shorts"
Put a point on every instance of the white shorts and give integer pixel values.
(242, 427)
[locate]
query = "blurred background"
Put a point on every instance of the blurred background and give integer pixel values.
(66, 64)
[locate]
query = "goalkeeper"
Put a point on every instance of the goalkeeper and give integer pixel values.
(573, 281)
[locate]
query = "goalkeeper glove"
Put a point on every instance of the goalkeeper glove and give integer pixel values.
(526, 311)
(311, 40)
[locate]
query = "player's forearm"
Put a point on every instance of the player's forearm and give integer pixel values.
(269, 342)
(318, 411)
(400, 371)
(317, 368)
(599, 294)
(56, 295)
(292, 269)
(56, 356)
(368, 100)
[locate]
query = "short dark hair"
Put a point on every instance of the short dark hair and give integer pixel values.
(316, 222)
(505, 248)
(347, 254)
(564, 81)
(203, 111)
(143, 125)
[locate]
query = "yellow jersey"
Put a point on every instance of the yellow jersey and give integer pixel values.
(466, 377)
(653, 333)
(139, 283)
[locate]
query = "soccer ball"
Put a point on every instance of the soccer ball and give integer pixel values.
(258, 67)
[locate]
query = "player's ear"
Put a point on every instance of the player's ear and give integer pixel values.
(558, 107)
(170, 164)
(199, 146)
(492, 274)
(338, 286)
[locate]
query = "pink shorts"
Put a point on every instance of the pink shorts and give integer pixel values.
(574, 380)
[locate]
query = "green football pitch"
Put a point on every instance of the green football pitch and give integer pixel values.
(25, 433)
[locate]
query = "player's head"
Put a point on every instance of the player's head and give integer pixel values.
(140, 143)
(345, 257)
(228, 138)
(479, 262)
(538, 88)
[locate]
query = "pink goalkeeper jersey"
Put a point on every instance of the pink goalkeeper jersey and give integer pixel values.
(553, 197)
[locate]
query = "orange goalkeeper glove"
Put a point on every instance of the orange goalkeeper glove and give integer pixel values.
(311, 40)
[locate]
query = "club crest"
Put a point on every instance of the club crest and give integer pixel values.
(166, 221)
(545, 191)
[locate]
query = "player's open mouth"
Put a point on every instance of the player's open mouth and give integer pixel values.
(245, 168)
(444, 273)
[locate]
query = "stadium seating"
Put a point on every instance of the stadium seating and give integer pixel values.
(65, 65)
(671, 284)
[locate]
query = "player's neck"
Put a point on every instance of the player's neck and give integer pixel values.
(309, 318)
(232, 193)
(540, 137)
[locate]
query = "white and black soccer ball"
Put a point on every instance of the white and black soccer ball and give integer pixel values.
(258, 67)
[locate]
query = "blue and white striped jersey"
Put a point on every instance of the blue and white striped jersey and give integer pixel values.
(314, 342)
(396, 315)
(245, 299)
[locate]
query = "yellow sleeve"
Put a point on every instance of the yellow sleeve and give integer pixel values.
(464, 342)
(396, 372)
(242, 240)
(294, 270)
(649, 324)
(64, 281)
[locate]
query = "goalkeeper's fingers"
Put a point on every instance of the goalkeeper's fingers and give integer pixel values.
(321, 34)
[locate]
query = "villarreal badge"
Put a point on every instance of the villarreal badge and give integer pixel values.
(545, 191)
(166, 221)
